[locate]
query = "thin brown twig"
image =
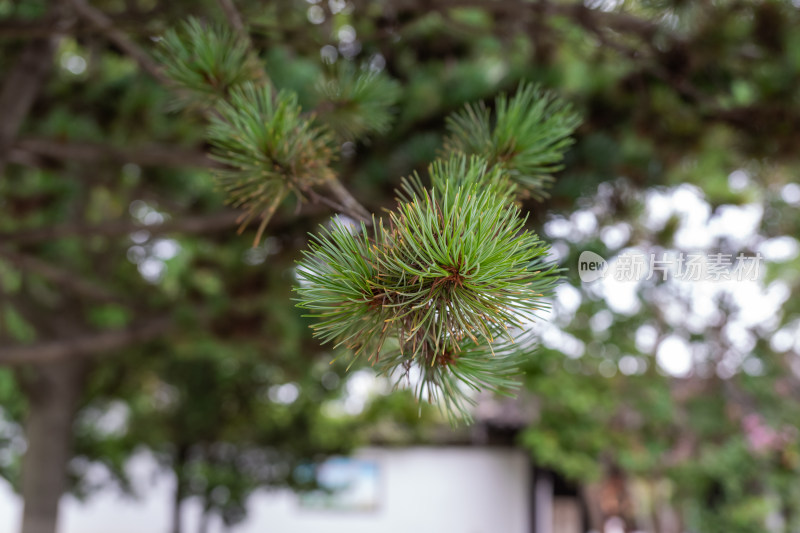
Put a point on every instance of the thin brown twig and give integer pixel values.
(349, 203)
(317, 198)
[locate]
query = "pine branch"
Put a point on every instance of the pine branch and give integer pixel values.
(206, 63)
(526, 136)
(443, 283)
(347, 203)
(355, 104)
(270, 148)
(437, 289)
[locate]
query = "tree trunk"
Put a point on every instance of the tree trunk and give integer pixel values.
(590, 494)
(181, 456)
(205, 518)
(53, 393)
(543, 500)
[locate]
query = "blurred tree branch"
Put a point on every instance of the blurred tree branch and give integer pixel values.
(23, 81)
(22, 28)
(348, 204)
(58, 275)
(106, 26)
(234, 18)
(200, 224)
(106, 343)
(91, 152)
(585, 16)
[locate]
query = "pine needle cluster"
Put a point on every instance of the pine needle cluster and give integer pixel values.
(356, 103)
(270, 149)
(441, 290)
(526, 135)
(206, 63)
(437, 287)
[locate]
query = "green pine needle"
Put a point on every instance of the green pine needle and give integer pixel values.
(527, 135)
(270, 147)
(433, 291)
(206, 63)
(338, 288)
(437, 288)
(460, 171)
(357, 103)
(454, 381)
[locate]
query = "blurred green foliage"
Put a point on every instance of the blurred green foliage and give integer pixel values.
(671, 93)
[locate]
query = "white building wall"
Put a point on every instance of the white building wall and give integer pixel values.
(421, 490)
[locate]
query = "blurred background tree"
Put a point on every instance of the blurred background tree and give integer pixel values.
(126, 289)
